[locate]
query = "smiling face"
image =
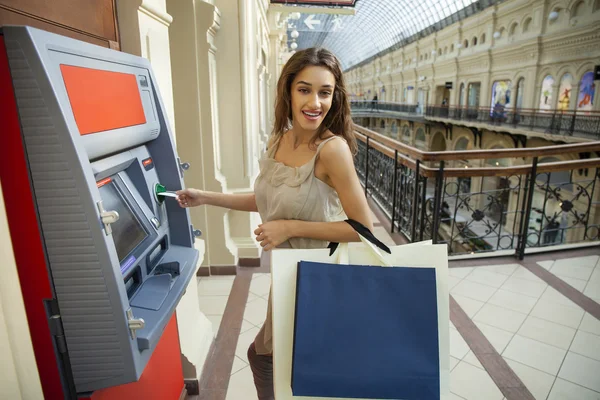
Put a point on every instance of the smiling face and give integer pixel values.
(312, 96)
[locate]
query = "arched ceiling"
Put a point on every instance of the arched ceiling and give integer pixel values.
(379, 26)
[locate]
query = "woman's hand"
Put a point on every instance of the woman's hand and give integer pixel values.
(190, 198)
(272, 234)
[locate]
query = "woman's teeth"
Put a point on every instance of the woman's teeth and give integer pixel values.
(311, 114)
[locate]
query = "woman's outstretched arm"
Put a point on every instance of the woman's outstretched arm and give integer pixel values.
(194, 197)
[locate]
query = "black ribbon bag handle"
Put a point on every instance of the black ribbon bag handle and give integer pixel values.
(364, 232)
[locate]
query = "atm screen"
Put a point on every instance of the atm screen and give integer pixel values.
(127, 232)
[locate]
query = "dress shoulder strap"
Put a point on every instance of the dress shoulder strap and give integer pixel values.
(272, 148)
(323, 143)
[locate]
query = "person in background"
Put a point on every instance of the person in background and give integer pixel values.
(445, 213)
(307, 185)
(551, 231)
(374, 104)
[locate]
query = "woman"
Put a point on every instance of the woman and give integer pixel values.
(307, 184)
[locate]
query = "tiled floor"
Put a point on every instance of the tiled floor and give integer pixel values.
(549, 342)
(213, 293)
(241, 385)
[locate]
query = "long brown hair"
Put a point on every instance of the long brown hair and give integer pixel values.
(338, 119)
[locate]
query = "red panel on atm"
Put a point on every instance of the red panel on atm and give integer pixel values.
(103, 100)
(162, 377)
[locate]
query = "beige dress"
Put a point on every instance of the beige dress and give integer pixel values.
(284, 192)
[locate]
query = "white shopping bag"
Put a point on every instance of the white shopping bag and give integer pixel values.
(283, 274)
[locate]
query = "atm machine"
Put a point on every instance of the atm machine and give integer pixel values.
(103, 257)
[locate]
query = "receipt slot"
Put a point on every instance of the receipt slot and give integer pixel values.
(102, 262)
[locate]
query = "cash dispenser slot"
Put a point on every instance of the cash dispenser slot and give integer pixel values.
(158, 296)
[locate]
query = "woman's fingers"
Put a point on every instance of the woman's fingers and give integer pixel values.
(260, 237)
(183, 200)
(267, 245)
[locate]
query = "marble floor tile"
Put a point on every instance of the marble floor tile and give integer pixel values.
(525, 286)
(241, 386)
(558, 313)
(535, 354)
(587, 344)
(547, 332)
(488, 278)
(565, 390)
(581, 370)
(473, 290)
(499, 317)
(256, 311)
(539, 383)
(472, 383)
(469, 306)
(513, 301)
(212, 305)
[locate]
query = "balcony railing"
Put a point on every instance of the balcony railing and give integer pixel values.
(370, 105)
(557, 122)
(486, 209)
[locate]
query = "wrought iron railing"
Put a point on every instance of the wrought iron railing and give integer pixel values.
(557, 122)
(478, 210)
(370, 105)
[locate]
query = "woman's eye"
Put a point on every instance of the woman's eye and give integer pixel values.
(326, 93)
(303, 90)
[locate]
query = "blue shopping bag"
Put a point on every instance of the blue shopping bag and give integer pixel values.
(365, 332)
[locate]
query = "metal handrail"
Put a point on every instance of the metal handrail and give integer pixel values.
(454, 206)
(582, 123)
(478, 154)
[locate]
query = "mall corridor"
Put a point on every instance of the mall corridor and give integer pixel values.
(477, 127)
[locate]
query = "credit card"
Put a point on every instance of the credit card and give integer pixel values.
(167, 194)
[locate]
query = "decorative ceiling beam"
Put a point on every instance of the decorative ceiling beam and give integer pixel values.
(312, 10)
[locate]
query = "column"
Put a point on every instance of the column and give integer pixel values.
(242, 99)
(193, 58)
(485, 93)
(531, 95)
(194, 66)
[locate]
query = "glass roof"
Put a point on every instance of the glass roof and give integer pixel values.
(379, 26)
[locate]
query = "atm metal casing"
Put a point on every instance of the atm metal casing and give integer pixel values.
(89, 117)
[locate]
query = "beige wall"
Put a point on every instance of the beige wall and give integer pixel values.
(19, 377)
